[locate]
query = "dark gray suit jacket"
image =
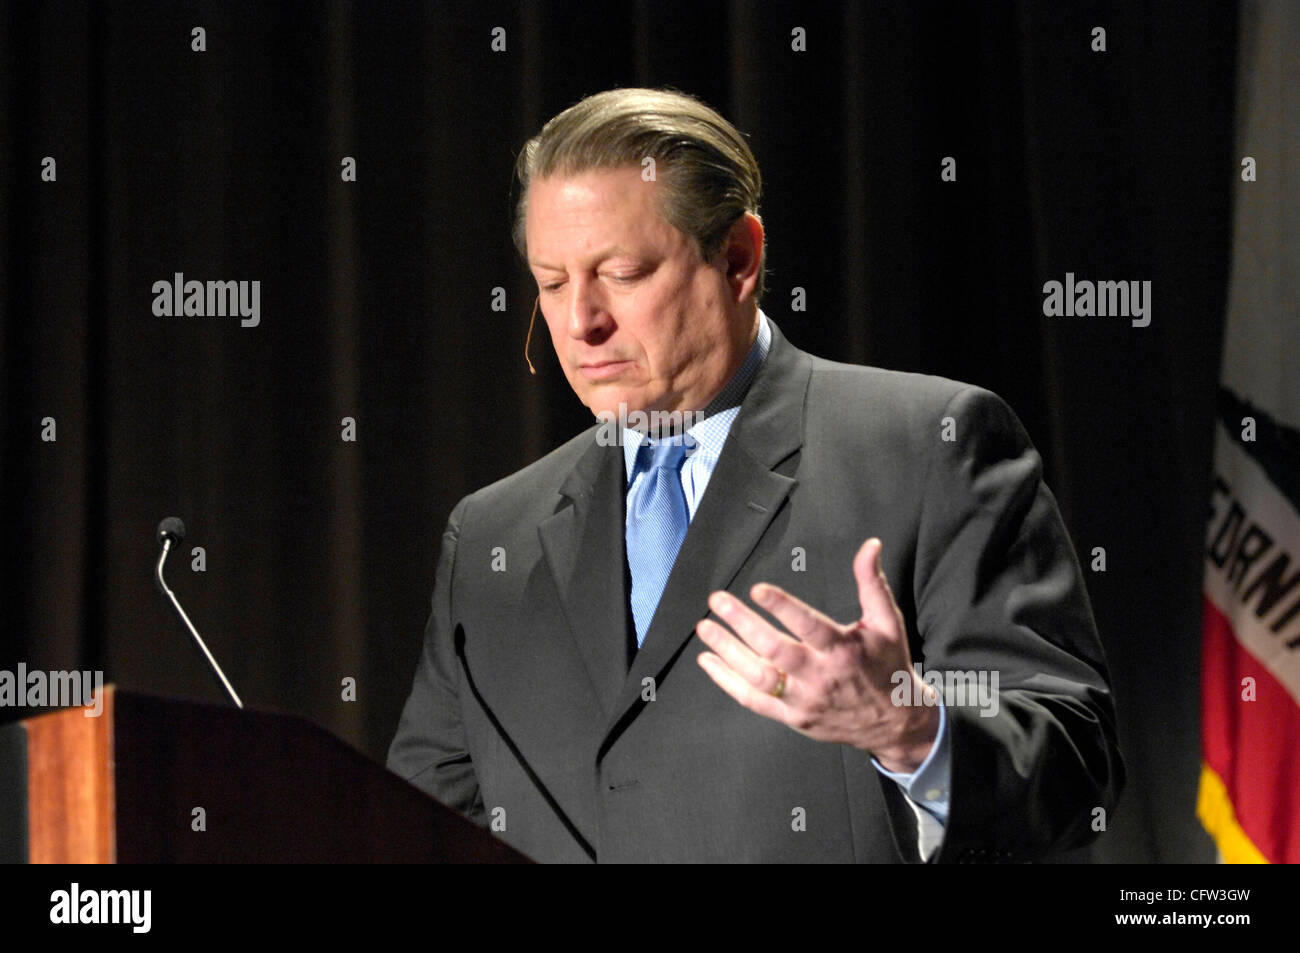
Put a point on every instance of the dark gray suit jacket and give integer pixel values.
(530, 709)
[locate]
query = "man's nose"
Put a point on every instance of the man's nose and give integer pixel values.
(588, 315)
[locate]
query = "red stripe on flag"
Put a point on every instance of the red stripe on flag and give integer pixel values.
(1252, 745)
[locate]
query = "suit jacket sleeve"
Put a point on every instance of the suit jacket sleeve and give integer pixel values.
(999, 592)
(430, 749)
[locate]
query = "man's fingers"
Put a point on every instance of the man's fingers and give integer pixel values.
(808, 624)
(746, 694)
(878, 607)
(784, 652)
(737, 655)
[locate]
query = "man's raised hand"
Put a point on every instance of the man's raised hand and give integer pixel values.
(832, 681)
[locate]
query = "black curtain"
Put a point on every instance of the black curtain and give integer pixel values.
(377, 304)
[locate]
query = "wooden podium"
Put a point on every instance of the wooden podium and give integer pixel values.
(127, 787)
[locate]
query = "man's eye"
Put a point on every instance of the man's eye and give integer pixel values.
(624, 278)
(553, 286)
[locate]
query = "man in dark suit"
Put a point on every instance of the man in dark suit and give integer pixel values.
(571, 694)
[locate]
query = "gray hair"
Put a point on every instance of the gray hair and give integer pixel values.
(710, 177)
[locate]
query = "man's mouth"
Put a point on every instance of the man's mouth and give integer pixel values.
(603, 370)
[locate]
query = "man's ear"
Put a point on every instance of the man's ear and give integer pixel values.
(743, 254)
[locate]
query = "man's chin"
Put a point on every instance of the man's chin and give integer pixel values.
(614, 401)
(605, 409)
(637, 413)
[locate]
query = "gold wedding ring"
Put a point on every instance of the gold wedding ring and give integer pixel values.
(780, 684)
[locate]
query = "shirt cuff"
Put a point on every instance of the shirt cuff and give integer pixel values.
(926, 788)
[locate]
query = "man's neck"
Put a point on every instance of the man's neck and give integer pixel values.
(660, 424)
(750, 358)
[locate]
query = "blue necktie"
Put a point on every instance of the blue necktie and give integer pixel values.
(656, 525)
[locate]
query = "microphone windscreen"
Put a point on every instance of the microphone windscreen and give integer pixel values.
(171, 528)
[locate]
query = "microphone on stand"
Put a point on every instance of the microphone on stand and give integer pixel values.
(171, 531)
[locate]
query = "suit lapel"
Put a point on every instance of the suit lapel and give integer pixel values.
(742, 498)
(583, 543)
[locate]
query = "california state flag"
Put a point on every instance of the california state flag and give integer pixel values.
(1249, 796)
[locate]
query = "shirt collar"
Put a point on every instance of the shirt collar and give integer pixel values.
(714, 422)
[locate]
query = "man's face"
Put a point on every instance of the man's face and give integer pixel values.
(634, 315)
